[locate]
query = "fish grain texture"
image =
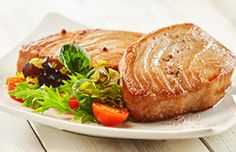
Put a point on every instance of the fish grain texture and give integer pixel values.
(174, 70)
(216, 16)
(100, 44)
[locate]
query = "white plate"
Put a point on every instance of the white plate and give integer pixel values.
(207, 123)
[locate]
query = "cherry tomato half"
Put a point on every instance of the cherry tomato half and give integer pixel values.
(107, 115)
(73, 103)
(12, 85)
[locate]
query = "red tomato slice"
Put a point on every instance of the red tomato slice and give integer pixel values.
(12, 85)
(107, 115)
(73, 103)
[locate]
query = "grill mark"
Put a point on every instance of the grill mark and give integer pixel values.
(179, 85)
(156, 64)
(136, 63)
(132, 81)
(231, 63)
(50, 42)
(176, 80)
(53, 39)
(158, 81)
(149, 73)
(164, 78)
(111, 45)
(186, 79)
(186, 73)
(95, 39)
(209, 44)
(49, 46)
(162, 74)
(196, 56)
(54, 47)
(152, 74)
(191, 34)
(173, 49)
(147, 58)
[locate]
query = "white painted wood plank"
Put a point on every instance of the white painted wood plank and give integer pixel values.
(17, 135)
(57, 140)
(224, 142)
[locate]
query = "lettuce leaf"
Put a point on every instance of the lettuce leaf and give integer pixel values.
(44, 98)
(67, 86)
(87, 85)
(74, 58)
(101, 86)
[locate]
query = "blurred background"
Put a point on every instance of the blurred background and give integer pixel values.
(218, 17)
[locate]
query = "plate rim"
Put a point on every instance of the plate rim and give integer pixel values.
(88, 129)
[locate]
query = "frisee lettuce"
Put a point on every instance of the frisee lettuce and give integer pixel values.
(101, 85)
(43, 98)
(86, 84)
(67, 85)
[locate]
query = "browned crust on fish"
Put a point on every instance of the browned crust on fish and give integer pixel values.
(100, 44)
(174, 70)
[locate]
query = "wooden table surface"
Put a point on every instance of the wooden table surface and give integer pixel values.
(19, 17)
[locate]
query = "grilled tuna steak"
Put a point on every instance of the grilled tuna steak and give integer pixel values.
(174, 70)
(101, 45)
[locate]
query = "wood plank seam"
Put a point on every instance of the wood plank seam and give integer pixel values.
(205, 143)
(41, 143)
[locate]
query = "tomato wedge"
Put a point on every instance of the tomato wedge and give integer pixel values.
(107, 115)
(73, 103)
(12, 83)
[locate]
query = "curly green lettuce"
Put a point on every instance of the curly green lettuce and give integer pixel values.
(88, 85)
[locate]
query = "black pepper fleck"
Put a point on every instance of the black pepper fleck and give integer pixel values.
(105, 49)
(170, 56)
(177, 73)
(82, 32)
(164, 59)
(63, 31)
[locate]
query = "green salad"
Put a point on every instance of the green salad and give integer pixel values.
(90, 94)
